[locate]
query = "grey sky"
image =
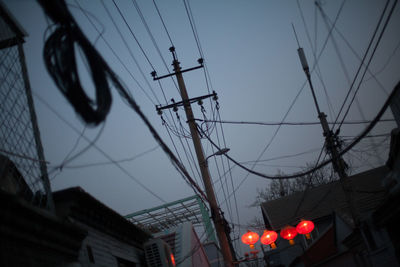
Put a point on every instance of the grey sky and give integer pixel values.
(250, 52)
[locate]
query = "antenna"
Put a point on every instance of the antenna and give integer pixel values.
(295, 35)
(302, 56)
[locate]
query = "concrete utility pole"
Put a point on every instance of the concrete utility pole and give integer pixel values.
(217, 217)
(339, 164)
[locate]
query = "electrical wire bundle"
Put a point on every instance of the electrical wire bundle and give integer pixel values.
(59, 51)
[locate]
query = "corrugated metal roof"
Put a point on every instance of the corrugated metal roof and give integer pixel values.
(323, 200)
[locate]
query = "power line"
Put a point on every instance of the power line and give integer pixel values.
(355, 53)
(129, 50)
(229, 169)
(57, 51)
(284, 156)
(193, 26)
(363, 59)
(319, 74)
(53, 110)
(291, 105)
(389, 59)
(133, 35)
(341, 153)
(114, 53)
(102, 163)
(163, 23)
(370, 59)
(153, 40)
(289, 123)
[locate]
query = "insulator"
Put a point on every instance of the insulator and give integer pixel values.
(200, 102)
(159, 112)
(215, 98)
(201, 61)
(153, 74)
(175, 108)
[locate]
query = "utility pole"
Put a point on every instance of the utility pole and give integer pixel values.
(339, 165)
(216, 215)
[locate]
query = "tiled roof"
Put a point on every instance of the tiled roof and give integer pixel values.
(323, 200)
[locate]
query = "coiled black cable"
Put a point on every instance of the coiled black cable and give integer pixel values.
(59, 57)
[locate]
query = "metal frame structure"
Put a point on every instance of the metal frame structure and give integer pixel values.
(191, 209)
(20, 143)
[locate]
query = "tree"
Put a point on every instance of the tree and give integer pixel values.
(284, 187)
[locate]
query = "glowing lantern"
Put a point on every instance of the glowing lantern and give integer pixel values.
(269, 238)
(173, 259)
(288, 233)
(305, 228)
(250, 238)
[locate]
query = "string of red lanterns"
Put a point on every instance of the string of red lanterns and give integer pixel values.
(304, 227)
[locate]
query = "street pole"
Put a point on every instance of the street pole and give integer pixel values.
(217, 217)
(339, 164)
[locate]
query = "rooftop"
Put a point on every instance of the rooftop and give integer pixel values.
(322, 200)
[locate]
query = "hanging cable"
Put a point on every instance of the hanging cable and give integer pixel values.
(341, 153)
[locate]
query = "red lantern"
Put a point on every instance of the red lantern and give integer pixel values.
(250, 238)
(269, 238)
(173, 260)
(288, 233)
(305, 228)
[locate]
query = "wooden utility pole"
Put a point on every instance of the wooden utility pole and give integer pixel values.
(216, 215)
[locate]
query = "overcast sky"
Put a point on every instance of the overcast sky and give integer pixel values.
(250, 53)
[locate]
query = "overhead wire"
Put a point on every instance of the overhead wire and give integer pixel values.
(386, 64)
(59, 13)
(208, 84)
(285, 156)
(370, 59)
(129, 50)
(250, 171)
(230, 172)
(153, 40)
(355, 53)
(181, 129)
(290, 123)
(114, 53)
(224, 189)
(103, 163)
(133, 34)
(159, 83)
(190, 159)
(348, 79)
(163, 23)
(101, 151)
(354, 142)
(314, 53)
(362, 61)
